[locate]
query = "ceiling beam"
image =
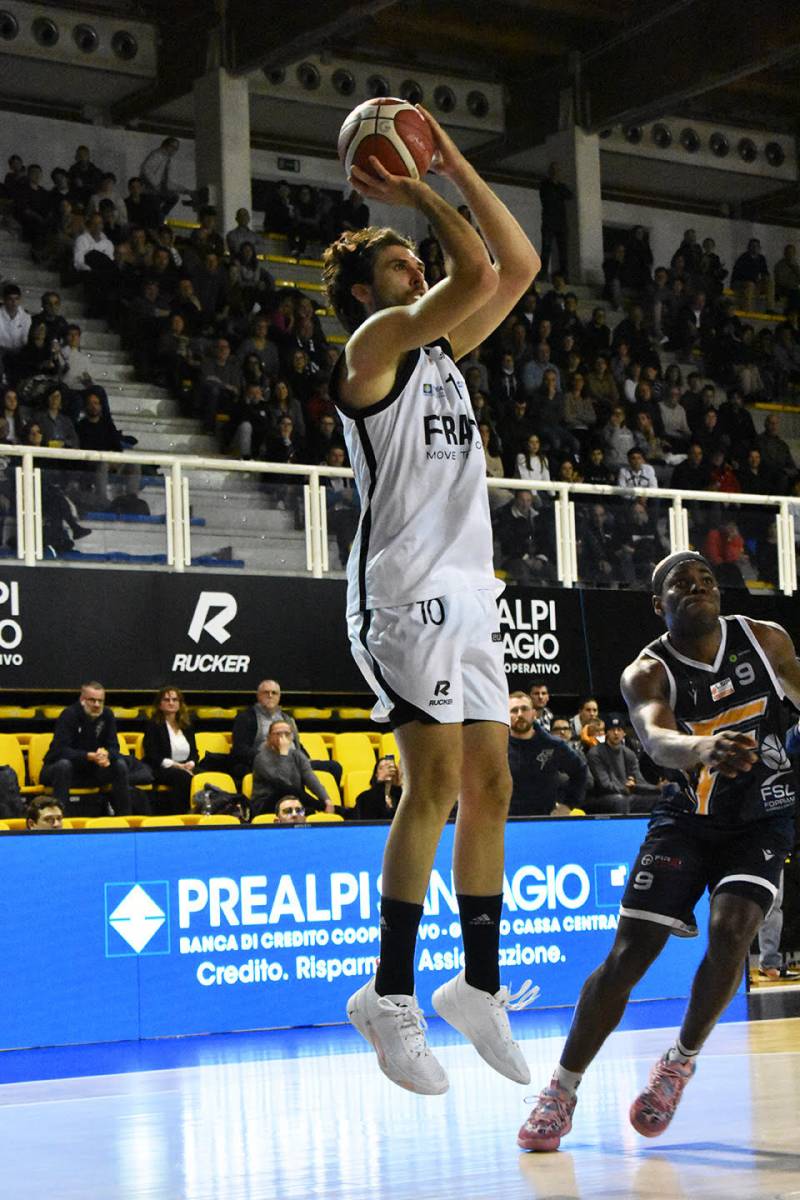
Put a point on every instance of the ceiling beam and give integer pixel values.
(532, 114)
(683, 49)
(291, 30)
(772, 204)
(183, 55)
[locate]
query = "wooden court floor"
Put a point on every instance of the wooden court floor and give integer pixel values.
(317, 1120)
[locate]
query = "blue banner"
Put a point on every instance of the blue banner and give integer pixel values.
(121, 935)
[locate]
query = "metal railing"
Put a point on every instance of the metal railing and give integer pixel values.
(177, 469)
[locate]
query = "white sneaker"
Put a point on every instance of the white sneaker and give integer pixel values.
(395, 1027)
(483, 1018)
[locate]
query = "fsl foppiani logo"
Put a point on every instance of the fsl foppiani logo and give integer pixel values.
(213, 613)
(137, 919)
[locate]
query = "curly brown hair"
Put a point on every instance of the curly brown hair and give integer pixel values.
(351, 259)
(182, 715)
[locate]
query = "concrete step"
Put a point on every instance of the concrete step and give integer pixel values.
(285, 551)
(107, 358)
(137, 388)
(112, 374)
(126, 407)
(97, 339)
(153, 437)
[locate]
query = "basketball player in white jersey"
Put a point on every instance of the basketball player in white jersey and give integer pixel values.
(421, 598)
(706, 700)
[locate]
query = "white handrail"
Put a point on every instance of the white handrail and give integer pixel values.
(19, 481)
(177, 471)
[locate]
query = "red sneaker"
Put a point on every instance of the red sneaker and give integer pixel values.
(549, 1121)
(652, 1110)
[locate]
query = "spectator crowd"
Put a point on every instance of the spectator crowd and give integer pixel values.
(200, 315)
(653, 389)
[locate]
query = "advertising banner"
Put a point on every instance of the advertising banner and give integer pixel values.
(169, 932)
(136, 629)
(543, 636)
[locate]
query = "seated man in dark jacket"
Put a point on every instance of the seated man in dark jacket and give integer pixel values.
(250, 731)
(620, 786)
(536, 760)
(85, 753)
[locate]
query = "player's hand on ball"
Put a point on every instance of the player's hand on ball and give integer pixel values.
(446, 157)
(729, 753)
(379, 184)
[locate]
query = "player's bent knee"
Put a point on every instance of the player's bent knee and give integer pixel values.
(731, 933)
(628, 960)
(436, 797)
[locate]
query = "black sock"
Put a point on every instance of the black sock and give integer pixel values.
(480, 929)
(399, 924)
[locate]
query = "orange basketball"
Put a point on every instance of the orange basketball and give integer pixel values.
(398, 136)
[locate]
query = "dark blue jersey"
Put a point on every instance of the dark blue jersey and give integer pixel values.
(738, 691)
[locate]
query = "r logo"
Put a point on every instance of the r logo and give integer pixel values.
(442, 688)
(217, 626)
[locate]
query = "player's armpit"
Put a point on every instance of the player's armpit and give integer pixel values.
(779, 649)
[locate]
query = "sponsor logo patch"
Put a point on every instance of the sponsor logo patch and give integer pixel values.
(721, 689)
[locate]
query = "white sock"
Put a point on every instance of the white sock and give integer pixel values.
(568, 1080)
(679, 1053)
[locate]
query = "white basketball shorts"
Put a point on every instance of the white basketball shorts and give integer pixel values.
(437, 660)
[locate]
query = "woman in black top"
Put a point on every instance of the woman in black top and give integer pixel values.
(170, 749)
(379, 802)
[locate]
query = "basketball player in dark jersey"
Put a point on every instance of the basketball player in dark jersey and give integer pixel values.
(705, 699)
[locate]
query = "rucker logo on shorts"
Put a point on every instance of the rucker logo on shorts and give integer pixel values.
(441, 693)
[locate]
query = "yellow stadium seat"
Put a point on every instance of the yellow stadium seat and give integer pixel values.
(37, 748)
(131, 743)
(4, 827)
(264, 819)
(355, 782)
(312, 714)
(213, 743)
(214, 713)
(354, 714)
(219, 819)
(314, 745)
(125, 714)
(52, 711)
(577, 812)
(190, 819)
(75, 822)
(323, 818)
(331, 787)
(106, 823)
(388, 745)
(161, 823)
(16, 822)
(11, 756)
(215, 778)
(13, 712)
(354, 752)
(247, 785)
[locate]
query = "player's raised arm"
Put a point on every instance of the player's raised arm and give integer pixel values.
(401, 313)
(644, 688)
(515, 260)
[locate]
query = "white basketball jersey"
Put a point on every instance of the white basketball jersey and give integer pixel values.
(420, 470)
